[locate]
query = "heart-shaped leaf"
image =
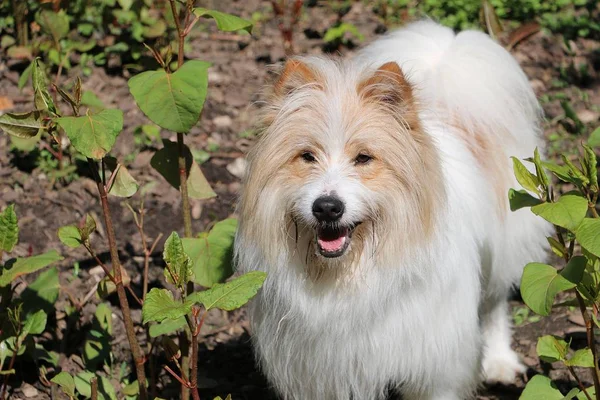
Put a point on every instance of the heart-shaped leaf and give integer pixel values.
(93, 135)
(160, 305)
(581, 358)
(21, 125)
(172, 101)
(567, 212)
(166, 162)
(212, 255)
(54, 23)
(122, 184)
(167, 326)
(70, 236)
(541, 283)
(551, 349)
(66, 383)
(9, 229)
(231, 295)
(540, 387)
(225, 22)
(588, 235)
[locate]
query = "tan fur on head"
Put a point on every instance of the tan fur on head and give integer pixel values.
(336, 115)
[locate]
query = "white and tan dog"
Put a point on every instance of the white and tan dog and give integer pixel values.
(376, 201)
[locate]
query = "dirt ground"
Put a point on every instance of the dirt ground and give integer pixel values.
(239, 71)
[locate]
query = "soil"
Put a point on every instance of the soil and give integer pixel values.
(240, 70)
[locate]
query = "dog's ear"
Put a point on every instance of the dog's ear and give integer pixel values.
(387, 85)
(294, 74)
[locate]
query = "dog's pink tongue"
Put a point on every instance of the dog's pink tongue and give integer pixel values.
(333, 244)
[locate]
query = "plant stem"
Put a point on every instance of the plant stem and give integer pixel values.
(94, 383)
(116, 264)
(184, 338)
(589, 327)
(185, 199)
(579, 383)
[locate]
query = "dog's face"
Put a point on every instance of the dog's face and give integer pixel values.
(342, 165)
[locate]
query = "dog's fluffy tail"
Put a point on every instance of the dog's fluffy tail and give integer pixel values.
(467, 76)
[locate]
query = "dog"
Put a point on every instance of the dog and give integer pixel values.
(375, 198)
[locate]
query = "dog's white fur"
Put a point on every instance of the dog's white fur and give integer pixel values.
(419, 303)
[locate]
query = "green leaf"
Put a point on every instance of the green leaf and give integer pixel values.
(90, 99)
(178, 262)
(594, 139)
(55, 24)
(66, 383)
(132, 389)
(212, 255)
(24, 266)
(539, 169)
(21, 125)
(573, 271)
(34, 323)
(9, 229)
(70, 236)
(25, 75)
(551, 348)
(590, 163)
(123, 184)
(172, 101)
(225, 22)
(89, 227)
(160, 305)
(567, 212)
(167, 326)
(157, 29)
(561, 171)
(43, 292)
(525, 178)
(521, 198)
(165, 161)
(338, 32)
(41, 97)
(541, 283)
(231, 295)
(581, 358)
(576, 175)
(558, 248)
(93, 135)
(541, 388)
(588, 235)
(106, 391)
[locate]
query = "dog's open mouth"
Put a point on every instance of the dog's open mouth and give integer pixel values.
(333, 241)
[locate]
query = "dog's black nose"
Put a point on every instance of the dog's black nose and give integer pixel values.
(328, 209)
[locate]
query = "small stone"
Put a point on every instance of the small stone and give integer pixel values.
(588, 116)
(196, 209)
(222, 121)
(576, 319)
(530, 361)
(237, 168)
(29, 391)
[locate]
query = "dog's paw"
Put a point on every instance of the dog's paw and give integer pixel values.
(502, 368)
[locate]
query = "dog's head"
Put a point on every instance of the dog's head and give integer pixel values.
(342, 169)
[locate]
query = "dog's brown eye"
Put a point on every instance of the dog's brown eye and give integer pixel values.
(362, 159)
(308, 157)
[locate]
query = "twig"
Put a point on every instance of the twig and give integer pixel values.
(118, 277)
(589, 328)
(94, 383)
(572, 371)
